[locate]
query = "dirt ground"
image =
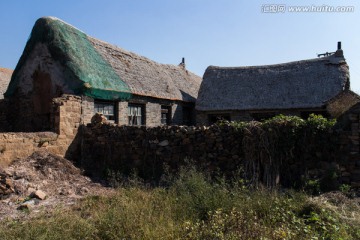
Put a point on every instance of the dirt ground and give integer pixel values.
(54, 176)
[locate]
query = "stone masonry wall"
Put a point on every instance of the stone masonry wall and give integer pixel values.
(65, 119)
(67, 114)
(28, 122)
(153, 114)
(87, 109)
(147, 149)
(349, 128)
(20, 145)
(3, 116)
(123, 113)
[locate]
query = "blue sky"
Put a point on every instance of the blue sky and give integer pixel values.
(205, 32)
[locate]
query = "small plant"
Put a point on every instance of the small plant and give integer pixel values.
(345, 188)
(312, 186)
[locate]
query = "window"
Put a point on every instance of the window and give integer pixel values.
(107, 109)
(136, 114)
(165, 115)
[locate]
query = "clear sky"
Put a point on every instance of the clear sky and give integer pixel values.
(205, 32)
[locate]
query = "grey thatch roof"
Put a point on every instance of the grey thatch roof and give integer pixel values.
(300, 84)
(149, 78)
(5, 76)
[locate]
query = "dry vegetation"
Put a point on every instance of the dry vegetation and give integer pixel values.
(191, 205)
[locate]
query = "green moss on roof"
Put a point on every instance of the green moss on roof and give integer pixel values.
(87, 72)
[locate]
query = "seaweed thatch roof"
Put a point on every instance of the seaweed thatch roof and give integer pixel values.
(301, 84)
(100, 70)
(5, 76)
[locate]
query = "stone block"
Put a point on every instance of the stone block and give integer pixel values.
(39, 195)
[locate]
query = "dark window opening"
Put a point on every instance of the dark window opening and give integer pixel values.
(218, 117)
(107, 109)
(261, 116)
(42, 98)
(166, 115)
(187, 116)
(136, 114)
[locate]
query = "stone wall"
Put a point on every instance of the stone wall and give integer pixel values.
(148, 149)
(123, 113)
(3, 115)
(126, 147)
(20, 145)
(21, 116)
(87, 109)
(67, 117)
(349, 128)
(152, 114)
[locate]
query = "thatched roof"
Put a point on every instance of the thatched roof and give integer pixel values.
(300, 84)
(148, 78)
(100, 70)
(5, 76)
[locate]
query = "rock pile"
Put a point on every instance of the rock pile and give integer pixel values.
(98, 118)
(42, 179)
(6, 184)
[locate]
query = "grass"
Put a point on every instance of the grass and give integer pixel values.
(194, 206)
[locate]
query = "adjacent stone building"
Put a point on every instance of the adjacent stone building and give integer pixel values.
(299, 88)
(60, 60)
(5, 76)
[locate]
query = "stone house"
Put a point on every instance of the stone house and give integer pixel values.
(60, 60)
(5, 76)
(320, 86)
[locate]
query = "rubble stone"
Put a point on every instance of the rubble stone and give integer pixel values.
(39, 194)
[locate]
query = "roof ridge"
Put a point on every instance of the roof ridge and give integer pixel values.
(329, 59)
(62, 21)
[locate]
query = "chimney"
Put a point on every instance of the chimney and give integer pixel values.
(339, 52)
(182, 64)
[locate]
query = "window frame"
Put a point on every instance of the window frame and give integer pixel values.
(111, 117)
(140, 109)
(165, 111)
